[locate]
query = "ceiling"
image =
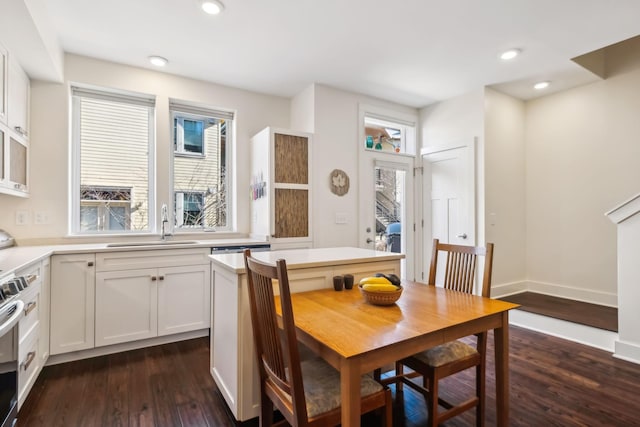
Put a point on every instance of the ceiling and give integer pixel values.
(414, 52)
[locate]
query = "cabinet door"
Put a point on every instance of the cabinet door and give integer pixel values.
(126, 306)
(3, 155)
(18, 102)
(184, 299)
(72, 302)
(18, 164)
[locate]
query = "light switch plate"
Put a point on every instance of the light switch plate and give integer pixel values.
(341, 218)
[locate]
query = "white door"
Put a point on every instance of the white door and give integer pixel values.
(449, 197)
(386, 219)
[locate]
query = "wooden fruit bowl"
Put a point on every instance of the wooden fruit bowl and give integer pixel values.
(381, 297)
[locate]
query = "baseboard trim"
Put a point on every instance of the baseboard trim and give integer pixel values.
(117, 348)
(561, 291)
(627, 351)
(593, 337)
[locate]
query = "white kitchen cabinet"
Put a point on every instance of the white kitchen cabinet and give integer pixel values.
(171, 295)
(281, 188)
(126, 306)
(33, 329)
(45, 310)
(73, 285)
(184, 299)
(19, 89)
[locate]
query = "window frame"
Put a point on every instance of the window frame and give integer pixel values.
(78, 91)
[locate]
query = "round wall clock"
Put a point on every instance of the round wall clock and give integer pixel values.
(339, 182)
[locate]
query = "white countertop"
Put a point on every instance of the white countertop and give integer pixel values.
(18, 257)
(305, 258)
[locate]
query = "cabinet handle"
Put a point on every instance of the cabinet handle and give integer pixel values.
(20, 130)
(31, 278)
(28, 360)
(30, 308)
(90, 264)
(161, 277)
(154, 278)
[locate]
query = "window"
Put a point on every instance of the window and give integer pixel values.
(388, 135)
(202, 138)
(188, 135)
(112, 181)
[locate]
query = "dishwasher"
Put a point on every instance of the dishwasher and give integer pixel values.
(235, 249)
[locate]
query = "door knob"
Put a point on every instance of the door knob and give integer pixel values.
(462, 236)
(369, 240)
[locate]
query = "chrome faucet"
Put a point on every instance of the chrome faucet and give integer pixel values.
(164, 214)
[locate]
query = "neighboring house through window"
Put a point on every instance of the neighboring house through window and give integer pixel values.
(201, 137)
(113, 134)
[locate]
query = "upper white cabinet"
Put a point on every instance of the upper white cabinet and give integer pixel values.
(281, 187)
(15, 89)
(18, 102)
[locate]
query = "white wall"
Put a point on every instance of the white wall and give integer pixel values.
(504, 185)
(582, 160)
(50, 138)
(336, 146)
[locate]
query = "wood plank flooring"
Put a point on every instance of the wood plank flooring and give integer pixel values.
(597, 316)
(554, 382)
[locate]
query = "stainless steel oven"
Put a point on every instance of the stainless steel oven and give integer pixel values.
(11, 310)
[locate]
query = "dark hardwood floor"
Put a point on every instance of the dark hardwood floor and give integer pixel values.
(597, 316)
(553, 383)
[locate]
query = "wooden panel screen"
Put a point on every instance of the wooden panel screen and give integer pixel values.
(292, 213)
(291, 159)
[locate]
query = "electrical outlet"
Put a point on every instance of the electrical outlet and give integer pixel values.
(41, 217)
(22, 217)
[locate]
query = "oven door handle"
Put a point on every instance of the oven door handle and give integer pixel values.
(13, 318)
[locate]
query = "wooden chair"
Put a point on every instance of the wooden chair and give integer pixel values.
(456, 356)
(307, 393)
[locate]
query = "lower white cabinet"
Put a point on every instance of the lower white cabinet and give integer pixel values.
(137, 304)
(73, 287)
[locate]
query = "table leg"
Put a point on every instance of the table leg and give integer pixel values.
(350, 392)
(501, 340)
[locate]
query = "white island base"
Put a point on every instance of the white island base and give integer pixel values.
(233, 364)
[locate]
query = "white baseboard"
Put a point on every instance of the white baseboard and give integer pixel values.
(585, 295)
(506, 289)
(627, 351)
(593, 337)
(117, 348)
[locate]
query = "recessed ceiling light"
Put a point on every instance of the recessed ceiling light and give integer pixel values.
(510, 54)
(541, 85)
(158, 61)
(212, 7)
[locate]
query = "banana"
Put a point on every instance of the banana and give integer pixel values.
(380, 287)
(375, 280)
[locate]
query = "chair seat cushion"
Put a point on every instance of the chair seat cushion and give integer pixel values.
(322, 386)
(445, 353)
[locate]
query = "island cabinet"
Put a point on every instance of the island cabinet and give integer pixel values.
(149, 294)
(281, 188)
(233, 364)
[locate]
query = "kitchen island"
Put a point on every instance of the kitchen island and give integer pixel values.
(232, 363)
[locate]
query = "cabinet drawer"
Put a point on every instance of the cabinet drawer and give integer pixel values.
(29, 364)
(31, 313)
(116, 261)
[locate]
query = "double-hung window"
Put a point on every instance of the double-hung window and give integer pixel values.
(112, 137)
(201, 145)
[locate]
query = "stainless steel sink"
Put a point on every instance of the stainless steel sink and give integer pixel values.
(153, 243)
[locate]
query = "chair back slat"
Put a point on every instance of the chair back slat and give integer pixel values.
(461, 265)
(276, 348)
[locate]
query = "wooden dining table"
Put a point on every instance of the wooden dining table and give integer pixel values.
(356, 337)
